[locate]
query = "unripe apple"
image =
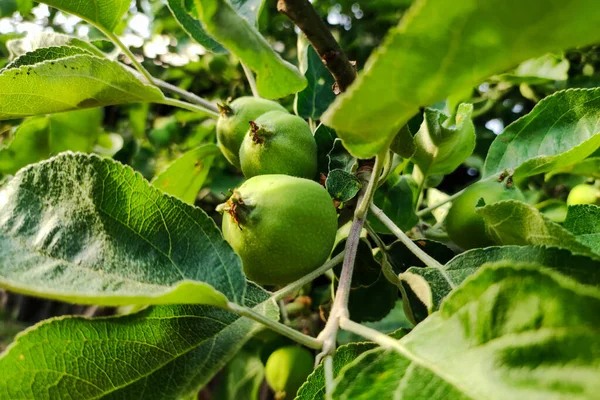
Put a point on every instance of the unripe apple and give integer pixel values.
(279, 143)
(465, 227)
(584, 194)
(234, 122)
(282, 227)
(287, 369)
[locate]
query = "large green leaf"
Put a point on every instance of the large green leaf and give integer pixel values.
(427, 287)
(510, 332)
(184, 177)
(106, 14)
(163, 352)
(71, 83)
(443, 47)
(584, 222)
(40, 137)
(275, 77)
(92, 231)
(561, 130)
(514, 222)
(439, 149)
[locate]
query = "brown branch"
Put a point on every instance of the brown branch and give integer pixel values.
(302, 13)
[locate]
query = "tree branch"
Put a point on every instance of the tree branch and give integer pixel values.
(302, 13)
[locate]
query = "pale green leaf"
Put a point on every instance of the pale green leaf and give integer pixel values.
(561, 130)
(242, 378)
(71, 83)
(106, 14)
(544, 69)
(88, 230)
(164, 352)
(517, 223)
(275, 77)
(540, 342)
(589, 167)
(443, 47)
(184, 177)
(40, 40)
(439, 149)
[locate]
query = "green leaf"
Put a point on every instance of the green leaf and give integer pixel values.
(397, 198)
(314, 387)
(404, 143)
(183, 10)
(275, 77)
(429, 286)
(184, 177)
(47, 54)
(163, 352)
(71, 83)
(88, 230)
(439, 149)
(40, 137)
(318, 94)
(514, 222)
(339, 158)
(440, 48)
(242, 377)
(544, 69)
(589, 167)
(105, 14)
(583, 221)
(561, 130)
(325, 138)
(541, 338)
(37, 41)
(342, 185)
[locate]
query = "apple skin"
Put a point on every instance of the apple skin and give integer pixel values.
(584, 194)
(287, 369)
(465, 227)
(282, 227)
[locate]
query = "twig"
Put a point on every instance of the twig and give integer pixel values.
(251, 80)
(302, 13)
(426, 258)
(276, 326)
(292, 287)
(187, 95)
(128, 53)
(429, 209)
(189, 106)
(367, 198)
(368, 333)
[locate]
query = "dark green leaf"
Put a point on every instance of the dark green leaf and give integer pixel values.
(318, 94)
(183, 10)
(397, 198)
(325, 138)
(583, 221)
(342, 185)
(105, 14)
(339, 158)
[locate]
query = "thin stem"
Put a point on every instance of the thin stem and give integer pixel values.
(368, 333)
(387, 168)
(251, 79)
(367, 198)
(113, 38)
(189, 106)
(292, 287)
(328, 369)
(283, 311)
(426, 258)
(192, 98)
(429, 209)
(276, 326)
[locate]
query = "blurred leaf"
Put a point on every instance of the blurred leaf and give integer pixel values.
(72, 83)
(589, 167)
(318, 94)
(544, 342)
(404, 143)
(440, 48)
(342, 185)
(439, 149)
(105, 14)
(275, 77)
(185, 176)
(242, 377)
(166, 352)
(561, 130)
(87, 230)
(397, 198)
(583, 221)
(547, 68)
